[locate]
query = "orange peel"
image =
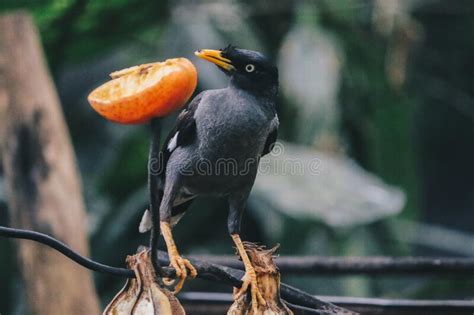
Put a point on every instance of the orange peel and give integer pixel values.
(137, 94)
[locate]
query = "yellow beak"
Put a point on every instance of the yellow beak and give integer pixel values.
(215, 57)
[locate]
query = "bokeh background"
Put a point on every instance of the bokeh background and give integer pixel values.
(380, 93)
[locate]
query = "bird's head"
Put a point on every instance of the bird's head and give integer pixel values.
(248, 69)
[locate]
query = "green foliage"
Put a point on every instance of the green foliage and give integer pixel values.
(75, 30)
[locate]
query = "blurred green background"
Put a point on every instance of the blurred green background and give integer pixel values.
(380, 93)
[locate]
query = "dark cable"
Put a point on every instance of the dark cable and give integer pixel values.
(66, 251)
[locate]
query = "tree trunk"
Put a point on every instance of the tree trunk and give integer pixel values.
(43, 184)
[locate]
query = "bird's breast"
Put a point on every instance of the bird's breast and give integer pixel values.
(232, 127)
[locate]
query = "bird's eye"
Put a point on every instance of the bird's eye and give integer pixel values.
(250, 67)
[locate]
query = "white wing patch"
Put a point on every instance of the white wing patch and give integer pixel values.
(173, 142)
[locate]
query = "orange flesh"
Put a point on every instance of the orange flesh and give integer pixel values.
(137, 94)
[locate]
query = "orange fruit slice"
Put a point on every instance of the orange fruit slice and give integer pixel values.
(137, 94)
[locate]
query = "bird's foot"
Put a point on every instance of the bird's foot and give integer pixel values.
(181, 266)
(250, 280)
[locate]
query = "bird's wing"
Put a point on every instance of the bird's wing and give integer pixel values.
(183, 132)
(272, 136)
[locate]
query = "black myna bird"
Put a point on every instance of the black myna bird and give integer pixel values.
(215, 147)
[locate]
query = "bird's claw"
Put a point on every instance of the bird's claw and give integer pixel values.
(250, 279)
(181, 266)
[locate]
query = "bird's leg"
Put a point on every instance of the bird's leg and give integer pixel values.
(237, 203)
(171, 188)
(179, 263)
(250, 277)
